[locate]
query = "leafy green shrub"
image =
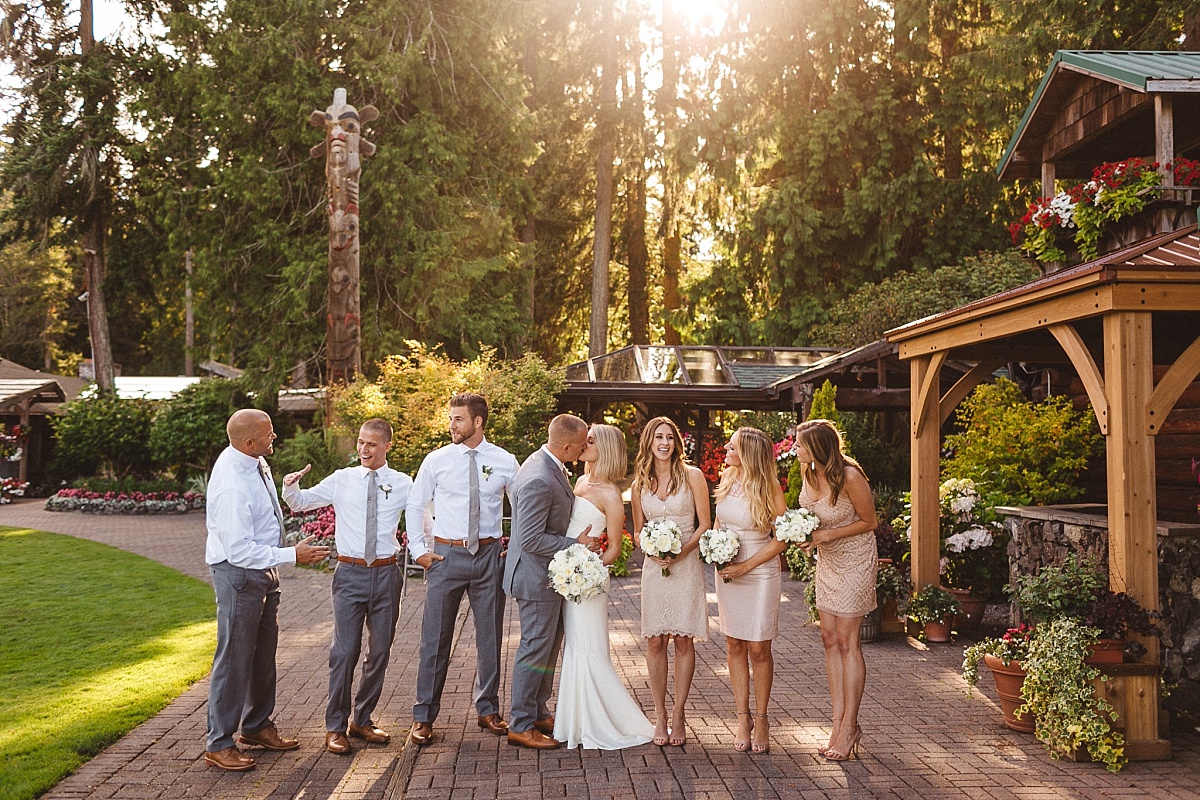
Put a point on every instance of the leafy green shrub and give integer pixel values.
(188, 432)
(128, 485)
(1025, 453)
(103, 434)
(874, 308)
(309, 447)
(412, 392)
(824, 406)
(1066, 590)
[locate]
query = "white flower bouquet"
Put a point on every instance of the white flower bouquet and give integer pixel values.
(661, 538)
(796, 525)
(719, 547)
(577, 573)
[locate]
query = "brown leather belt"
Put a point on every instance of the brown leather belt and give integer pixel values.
(379, 562)
(483, 541)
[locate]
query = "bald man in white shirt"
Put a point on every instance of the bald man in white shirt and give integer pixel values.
(244, 547)
(367, 501)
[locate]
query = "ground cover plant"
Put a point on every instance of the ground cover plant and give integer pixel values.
(95, 641)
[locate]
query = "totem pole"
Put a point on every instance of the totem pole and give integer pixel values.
(342, 147)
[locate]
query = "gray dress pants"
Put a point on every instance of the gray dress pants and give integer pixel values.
(361, 595)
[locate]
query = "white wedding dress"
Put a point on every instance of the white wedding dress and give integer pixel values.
(594, 708)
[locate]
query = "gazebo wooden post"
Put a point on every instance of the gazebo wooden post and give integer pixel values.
(925, 467)
(1133, 513)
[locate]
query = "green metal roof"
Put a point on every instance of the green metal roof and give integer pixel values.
(1139, 70)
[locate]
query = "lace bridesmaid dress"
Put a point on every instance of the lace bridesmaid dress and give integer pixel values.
(676, 604)
(749, 604)
(846, 567)
(594, 708)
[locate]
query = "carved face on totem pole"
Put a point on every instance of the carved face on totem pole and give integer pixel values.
(342, 148)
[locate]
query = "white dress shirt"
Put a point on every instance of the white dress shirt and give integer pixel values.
(240, 515)
(346, 491)
(445, 480)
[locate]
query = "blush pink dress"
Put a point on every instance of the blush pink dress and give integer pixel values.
(674, 605)
(749, 604)
(846, 567)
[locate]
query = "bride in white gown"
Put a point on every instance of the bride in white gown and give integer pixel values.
(594, 708)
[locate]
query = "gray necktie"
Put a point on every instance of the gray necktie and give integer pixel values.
(264, 472)
(372, 516)
(473, 508)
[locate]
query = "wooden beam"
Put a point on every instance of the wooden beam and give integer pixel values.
(1132, 505)
(925, 473)
(1164, 136)
(1048, 179)
(1085, 365)
(928, 391)
(1178, 378)
(963, 386)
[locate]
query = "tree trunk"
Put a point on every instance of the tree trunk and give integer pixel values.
(602, 241)
(637, 257)
(667, 108)
(95, 263)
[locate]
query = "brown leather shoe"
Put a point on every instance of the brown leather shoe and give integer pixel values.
(545, 726)
(421, 733)
(269, 738)
(493, 724)
(230, 759)
(336, 742)
(533, 739)
(370, 733)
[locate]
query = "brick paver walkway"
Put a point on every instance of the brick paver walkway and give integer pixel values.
(923, 737)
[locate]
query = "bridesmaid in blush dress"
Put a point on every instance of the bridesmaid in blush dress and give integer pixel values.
(836, 490)
(749, 498)
(674, 608)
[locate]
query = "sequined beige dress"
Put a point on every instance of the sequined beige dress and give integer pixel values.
(675, 604)
(845, 567)
(749, 604)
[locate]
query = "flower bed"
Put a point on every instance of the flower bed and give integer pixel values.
(124, 502)
(10, 488)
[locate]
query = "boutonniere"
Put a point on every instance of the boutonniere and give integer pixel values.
(487, 471)
(386, 489)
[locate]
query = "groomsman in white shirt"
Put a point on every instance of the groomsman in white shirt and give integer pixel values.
(465, 482)
(243, 550)
(368, 500)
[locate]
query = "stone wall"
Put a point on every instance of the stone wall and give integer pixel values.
(1041, 536)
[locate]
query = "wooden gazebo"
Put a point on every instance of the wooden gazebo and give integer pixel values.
(1113, 320)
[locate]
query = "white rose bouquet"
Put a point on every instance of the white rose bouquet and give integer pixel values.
(577, 573)
(661, 538)
(796, 525)
(719, 547)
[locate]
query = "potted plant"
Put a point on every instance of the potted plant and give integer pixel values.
(1070, 715)
(1067, 590)
(1003, 655)
(1116, 615)
(974, 549)
(891, 588)
(932, 608)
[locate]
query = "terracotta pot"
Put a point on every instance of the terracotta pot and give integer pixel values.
(937, 632)
(1107, 651)
(973, 606)
(1009, 680)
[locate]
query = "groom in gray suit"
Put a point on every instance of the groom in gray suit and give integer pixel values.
(541, 512)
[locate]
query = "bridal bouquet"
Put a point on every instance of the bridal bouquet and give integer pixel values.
(662, 538)
(795, 525)
(719, 547)
(577, 573)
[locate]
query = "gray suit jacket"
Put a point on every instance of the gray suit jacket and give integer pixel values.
(542, 501)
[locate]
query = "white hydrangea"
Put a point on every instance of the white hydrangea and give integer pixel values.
(577, 573)
(970, 539)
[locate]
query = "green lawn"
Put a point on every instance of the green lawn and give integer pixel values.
(93, 641)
